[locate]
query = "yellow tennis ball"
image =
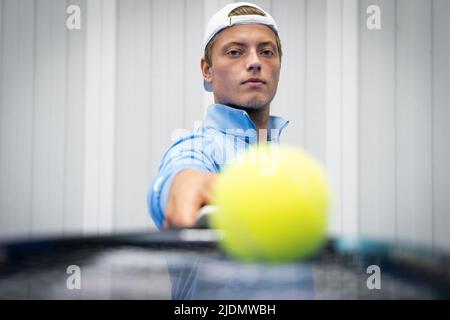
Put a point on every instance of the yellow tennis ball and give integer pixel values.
(272, 204)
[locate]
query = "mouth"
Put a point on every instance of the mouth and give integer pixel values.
(254, 83)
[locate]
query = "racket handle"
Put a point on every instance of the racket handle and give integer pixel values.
(203, 216)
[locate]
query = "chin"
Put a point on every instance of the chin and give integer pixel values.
(255, 102)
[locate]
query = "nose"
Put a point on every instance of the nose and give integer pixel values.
(253, 64)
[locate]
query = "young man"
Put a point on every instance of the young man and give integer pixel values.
(241, 66)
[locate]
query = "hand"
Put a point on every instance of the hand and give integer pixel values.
(190, 190)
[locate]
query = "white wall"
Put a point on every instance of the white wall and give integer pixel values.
(85, 115)
(404, 119)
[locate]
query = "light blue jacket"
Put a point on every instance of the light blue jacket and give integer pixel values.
(225, 133)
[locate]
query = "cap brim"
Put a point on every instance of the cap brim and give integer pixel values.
(207, 86)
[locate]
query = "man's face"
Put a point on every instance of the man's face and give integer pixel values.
(245, 66)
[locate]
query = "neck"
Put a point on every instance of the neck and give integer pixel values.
(260, 118)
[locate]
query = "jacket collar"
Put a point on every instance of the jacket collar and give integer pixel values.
(237, 122)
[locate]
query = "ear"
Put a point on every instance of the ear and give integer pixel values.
(206, 70)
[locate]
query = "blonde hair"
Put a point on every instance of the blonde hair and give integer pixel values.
(239, 11)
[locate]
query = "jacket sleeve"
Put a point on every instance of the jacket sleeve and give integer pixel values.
(186, 153)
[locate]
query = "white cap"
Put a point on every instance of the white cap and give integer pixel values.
(221, 20)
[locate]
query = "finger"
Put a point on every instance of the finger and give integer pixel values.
(187, 210)
(208, 191)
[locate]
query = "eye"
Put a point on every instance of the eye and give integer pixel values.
(268, 53)
(233, 53)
